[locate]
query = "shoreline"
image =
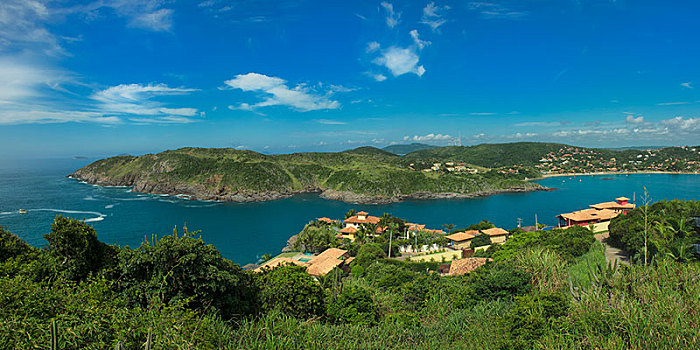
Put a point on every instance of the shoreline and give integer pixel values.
(544, 176)
(329, 194)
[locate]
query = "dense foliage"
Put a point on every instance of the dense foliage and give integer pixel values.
(545, 289)
(671, 230)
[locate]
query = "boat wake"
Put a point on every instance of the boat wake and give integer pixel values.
(98, 216)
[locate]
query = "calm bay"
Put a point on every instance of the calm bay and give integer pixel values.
(244, 231)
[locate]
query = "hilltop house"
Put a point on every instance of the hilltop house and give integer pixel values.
(463, 240)
(598, 213)
(620, 205)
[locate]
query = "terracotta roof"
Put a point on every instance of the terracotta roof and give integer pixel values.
(333, 253)
(348, 229)
(495, 231)
(326, 261)
(367, 220)
(612, 205)
(467, 265)
(279, 261)
(590, 215)
(362, 213)
(622, 199)
(462, 236)
(324, 219)
(323, 267)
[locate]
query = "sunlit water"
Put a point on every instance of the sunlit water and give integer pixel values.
(244, 231)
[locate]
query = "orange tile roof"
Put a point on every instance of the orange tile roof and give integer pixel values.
(348, 229)
(330, 253)
(326, 261)
(612, 205)
(362, 213)
(324, 219)
(367, 220)
(622, 199)
(467, 265)
(495, 231)
(279, 261)
(589, 215)
(462, 236)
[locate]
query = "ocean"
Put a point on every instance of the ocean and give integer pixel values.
(245, 231)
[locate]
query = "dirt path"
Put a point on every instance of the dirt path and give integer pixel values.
(612, 254)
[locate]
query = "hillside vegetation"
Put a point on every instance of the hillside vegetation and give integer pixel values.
(364, 174)
(543, 290)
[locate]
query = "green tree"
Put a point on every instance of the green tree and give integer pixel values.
(11, 246)
(353, 305)
(291, 290)
(77, 250)
(480, 241)
(185, 268)
(368, 253)
(315, 239)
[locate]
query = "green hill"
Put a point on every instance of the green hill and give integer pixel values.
(406, 149)
(490, 155)
(362, 175)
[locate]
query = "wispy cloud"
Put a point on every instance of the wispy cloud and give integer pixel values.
(671, 103)
(392, 17)
(277, 93)
(417, 40)
(482, 113)
(682, 125)
(688, 85)
(329, 122)
(495, 10)
(433, 15)
(376, 76)
(538, 124)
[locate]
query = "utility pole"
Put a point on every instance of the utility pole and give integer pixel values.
(390, 234)
(536, 224)
(520, 222)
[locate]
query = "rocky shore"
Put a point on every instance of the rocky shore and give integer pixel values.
(201, 192)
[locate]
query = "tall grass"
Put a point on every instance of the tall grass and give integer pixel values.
(579, 270)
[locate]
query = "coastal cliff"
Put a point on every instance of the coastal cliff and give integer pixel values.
(366, 175)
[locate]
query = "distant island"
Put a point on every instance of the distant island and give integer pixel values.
(372, 175)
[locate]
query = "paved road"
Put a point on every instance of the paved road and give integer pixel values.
(611, 253)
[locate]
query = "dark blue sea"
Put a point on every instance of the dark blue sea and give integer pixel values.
(245, 231)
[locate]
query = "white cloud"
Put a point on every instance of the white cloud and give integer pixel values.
(129, 100)
(688, 85)
(160, 20)
(329, 122)
(539, 124)
(429, 137)
(632, 120)
(416, 39)
(433, 15)
(400, 61)
(495, 10)
(301, 97)
(482, 113)
(376, 76)
(22, 26)
(392, 17)
(372, 47)
(680, 124)
(671, 103)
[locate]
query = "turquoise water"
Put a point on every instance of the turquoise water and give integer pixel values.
(245, 231)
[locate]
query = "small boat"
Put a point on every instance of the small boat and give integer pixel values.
(23, 211)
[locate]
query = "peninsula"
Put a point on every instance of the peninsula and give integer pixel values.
(371, 175)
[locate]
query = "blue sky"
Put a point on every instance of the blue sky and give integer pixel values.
(133, 76)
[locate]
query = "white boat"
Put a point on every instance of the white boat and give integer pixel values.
(23, 211)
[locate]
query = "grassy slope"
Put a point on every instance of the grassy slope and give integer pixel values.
(365, 170)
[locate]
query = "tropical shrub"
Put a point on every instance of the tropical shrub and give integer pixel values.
(291, 290)
(480, 241)
(353, 305)
(369, 253)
